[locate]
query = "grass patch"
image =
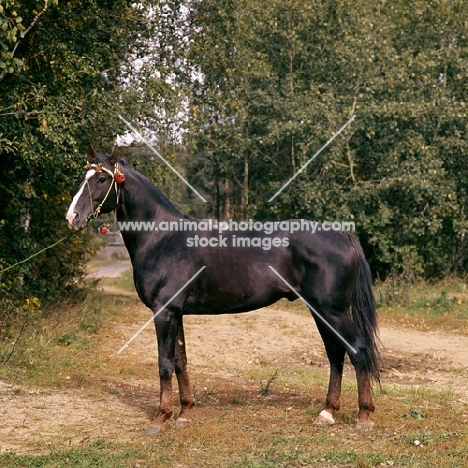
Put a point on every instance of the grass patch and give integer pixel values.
(296, 306)
(57, 346)
(98, 454)
(425, 305)
(124, 281)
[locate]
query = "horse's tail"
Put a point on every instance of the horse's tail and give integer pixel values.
(364, 310)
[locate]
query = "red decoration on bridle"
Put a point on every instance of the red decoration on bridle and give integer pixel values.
(118, 176)
(97, 167)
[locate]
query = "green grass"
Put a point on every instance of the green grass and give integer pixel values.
(227, 443)
(57, 347)
(100, 454)
(425, 305)
(124, 281)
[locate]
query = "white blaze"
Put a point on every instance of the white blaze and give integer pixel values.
(71, 211)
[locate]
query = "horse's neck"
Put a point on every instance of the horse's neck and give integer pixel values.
(140, 211)
(140, 200)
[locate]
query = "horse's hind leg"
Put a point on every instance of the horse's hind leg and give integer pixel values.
(187, 401)
(336, 347)
(335, 353)
(365, 401)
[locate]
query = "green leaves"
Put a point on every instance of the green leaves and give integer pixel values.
(280, 77)
(61, 88)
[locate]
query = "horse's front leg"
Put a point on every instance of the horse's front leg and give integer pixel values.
(187, 401)
(166, 331)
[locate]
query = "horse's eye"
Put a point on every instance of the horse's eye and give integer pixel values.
(102, 180)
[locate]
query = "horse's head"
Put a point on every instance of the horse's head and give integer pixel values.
(99, 189)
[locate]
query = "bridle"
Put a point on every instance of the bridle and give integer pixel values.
(117, 178)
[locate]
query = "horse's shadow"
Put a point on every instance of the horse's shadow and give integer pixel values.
(222, 396)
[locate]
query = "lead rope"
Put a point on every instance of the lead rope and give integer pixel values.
(115, 181)
(43, 250)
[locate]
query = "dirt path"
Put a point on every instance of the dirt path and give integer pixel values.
(110, 271)
(119, 405)
(432, 359)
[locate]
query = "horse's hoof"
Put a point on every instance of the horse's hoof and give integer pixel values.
(153, 430)
(364, 426)
(183, 422)
(324, 418)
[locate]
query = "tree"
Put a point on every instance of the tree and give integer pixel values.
(277, 79)
(67, 70)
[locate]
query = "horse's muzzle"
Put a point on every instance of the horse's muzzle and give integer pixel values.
(73, 221)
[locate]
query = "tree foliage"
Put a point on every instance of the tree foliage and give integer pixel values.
(240, 95)
(66, 72)
(279, 78)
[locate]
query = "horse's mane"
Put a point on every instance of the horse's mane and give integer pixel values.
(148, 185)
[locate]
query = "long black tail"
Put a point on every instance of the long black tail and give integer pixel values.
(364, 310)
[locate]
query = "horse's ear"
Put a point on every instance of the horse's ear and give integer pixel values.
(115, 155)
(91, 154)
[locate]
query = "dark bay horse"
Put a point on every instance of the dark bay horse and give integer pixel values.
(327, 269)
